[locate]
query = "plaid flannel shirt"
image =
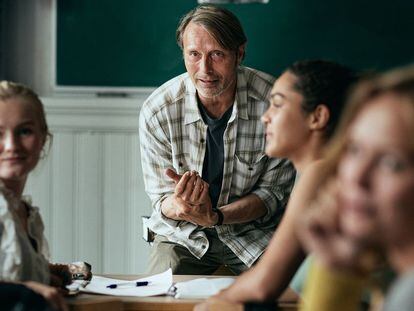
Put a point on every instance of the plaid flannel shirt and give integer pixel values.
(173, 135)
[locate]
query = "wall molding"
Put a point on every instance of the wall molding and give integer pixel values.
(107, 115)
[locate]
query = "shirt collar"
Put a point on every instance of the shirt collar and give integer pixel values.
(192, 114)
(241, 95)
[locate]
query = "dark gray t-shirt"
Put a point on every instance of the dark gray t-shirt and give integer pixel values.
(214, 158)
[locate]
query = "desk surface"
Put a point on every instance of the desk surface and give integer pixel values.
(91, 302)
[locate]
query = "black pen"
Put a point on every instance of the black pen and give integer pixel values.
(130, 284)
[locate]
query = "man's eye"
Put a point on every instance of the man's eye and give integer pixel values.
(218, 54)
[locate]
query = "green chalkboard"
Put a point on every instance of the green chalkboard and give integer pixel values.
(131, 43)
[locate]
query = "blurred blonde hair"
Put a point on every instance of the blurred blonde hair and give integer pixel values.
(399, 82)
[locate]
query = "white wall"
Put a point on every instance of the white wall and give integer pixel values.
(89, 188)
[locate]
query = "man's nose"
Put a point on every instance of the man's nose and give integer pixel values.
(206, 66)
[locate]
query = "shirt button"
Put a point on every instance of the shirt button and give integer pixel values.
(202, 140)
(250, 168)
(203, 246)
(180, 164)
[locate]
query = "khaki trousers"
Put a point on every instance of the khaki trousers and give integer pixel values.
(166, 254)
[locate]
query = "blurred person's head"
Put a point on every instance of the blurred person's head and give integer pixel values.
(372, 156)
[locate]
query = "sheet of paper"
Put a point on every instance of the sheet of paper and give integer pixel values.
(159, 285)
(201, 288)
(76, 286)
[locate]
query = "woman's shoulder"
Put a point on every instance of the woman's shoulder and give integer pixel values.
(313, 175)
(315, 169)
(307, 185)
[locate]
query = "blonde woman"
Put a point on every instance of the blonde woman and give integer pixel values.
(366, 208)
(23, 247)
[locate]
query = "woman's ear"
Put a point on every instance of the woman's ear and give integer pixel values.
(319, 117)
(43, 151)
(44, 140)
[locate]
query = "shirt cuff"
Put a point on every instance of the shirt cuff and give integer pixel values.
(170, 222)
(270, 204)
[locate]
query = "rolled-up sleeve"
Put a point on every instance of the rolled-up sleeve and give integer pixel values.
(274, 187)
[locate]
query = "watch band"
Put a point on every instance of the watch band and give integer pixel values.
(220, 217)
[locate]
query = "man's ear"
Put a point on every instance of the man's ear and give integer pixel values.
(240, 53)
(319, 117)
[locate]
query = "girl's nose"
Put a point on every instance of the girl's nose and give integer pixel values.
(265, 118)
(10, 142)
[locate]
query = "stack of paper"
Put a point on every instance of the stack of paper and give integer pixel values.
(201, 288)
(158, 285)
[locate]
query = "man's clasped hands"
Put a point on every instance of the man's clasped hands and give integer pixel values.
(191, 200)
